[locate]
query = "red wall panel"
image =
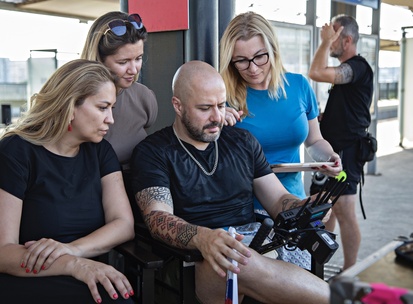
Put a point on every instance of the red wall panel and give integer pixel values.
(161, 15)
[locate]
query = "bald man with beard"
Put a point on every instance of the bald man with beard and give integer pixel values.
(196, 177)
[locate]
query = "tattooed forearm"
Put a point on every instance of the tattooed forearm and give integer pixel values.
(154, 194)
(170, 228)
(162, 224)
(185, 233)
(290, 203)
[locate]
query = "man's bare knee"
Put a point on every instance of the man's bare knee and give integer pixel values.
(209, 287)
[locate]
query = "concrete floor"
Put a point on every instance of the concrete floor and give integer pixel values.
(387, 196)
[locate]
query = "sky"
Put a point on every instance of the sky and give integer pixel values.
(22, 32)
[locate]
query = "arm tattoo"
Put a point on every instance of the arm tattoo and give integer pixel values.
(290, 203)
(344, 74)
(150, 195)
(170, 228)
(164, 225)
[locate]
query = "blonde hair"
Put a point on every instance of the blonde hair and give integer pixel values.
(244, 27)
(51, 109)
(98, 46)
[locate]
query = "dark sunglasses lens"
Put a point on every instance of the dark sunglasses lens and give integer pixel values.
(118, 27)
(136, 21)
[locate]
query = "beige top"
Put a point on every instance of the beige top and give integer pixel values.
(135, 110)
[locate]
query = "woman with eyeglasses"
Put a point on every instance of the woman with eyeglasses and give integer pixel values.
(62, 199)
(117, 40)
(279, 108)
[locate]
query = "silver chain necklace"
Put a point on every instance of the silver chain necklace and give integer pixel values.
(195, 160)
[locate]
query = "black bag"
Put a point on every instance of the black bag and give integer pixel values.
(404, 253)
(368, 148)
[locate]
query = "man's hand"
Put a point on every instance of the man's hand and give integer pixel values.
(217, 246)
(328, 34)
(327, 216)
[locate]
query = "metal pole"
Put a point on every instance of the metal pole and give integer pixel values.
(124, 6)
(402, 84)
(226, 13)
(375, 30)
(201, 40)
(401, 88)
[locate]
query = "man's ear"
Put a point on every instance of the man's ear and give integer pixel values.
(348, 41)
(177, 104)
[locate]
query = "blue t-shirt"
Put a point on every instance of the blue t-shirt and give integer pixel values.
(281, 126)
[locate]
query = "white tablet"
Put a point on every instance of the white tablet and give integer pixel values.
(296, 167)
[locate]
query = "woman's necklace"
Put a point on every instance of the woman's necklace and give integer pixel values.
(195, 160)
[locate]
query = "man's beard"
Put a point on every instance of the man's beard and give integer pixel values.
(198, 134)
(337, 53)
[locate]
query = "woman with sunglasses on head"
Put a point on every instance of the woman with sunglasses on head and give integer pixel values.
(62, 199)
(117, 40)
(279, 108)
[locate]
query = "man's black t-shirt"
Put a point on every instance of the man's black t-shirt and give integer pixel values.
(223, 199)
(347, 113)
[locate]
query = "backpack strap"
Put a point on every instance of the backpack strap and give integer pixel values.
(360, 196)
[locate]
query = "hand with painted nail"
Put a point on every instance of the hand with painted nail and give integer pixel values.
(92, 272)
(333, 170)
(42, 253)
(232, 116)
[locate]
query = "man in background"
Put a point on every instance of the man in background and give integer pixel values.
(346, 118)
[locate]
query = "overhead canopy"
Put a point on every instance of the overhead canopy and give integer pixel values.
(394, 45)
(406, 3)
(91, 9)
(389, 45)
(86, 10)
(79, 9)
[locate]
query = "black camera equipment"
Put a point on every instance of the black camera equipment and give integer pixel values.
(302, 227)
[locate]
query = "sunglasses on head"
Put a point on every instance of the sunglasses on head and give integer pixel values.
(118, 26)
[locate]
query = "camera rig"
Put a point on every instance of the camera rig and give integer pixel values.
(302, 227)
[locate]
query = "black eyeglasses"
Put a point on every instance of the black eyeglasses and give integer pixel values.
(118, 26)
(244, 64)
